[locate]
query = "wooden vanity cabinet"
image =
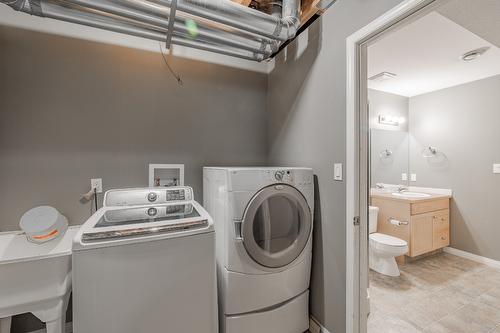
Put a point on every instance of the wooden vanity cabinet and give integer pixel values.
(428, 222)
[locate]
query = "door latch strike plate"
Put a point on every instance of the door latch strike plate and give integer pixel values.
(357, 221)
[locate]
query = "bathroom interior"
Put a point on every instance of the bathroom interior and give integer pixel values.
(434, 110)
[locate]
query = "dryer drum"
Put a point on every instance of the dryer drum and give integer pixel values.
(276, 226)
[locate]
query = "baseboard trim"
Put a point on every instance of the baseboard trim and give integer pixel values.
(474, 257)
(315, 326)
(69, 329)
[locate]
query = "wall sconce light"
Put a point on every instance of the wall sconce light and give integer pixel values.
(391, 120)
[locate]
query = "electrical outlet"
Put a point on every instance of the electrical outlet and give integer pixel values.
(97, 184)
(413, 177)
(404, 176)
(496, 168)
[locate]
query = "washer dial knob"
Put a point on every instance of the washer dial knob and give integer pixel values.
(152, 197)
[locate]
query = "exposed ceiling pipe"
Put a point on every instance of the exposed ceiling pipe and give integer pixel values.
(157, 20)
(112, 24)
(241, 17)
(221, 25)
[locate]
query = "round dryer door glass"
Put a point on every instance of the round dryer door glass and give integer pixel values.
(276, 226)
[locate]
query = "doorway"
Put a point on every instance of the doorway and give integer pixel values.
(378, 147)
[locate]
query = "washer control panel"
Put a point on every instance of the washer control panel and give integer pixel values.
(147, 196)
(177, 195)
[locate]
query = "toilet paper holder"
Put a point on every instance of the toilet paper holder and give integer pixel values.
(396, 222)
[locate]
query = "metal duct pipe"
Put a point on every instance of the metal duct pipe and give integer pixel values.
(241, 17)
(51, 10)
(257, 34)
(180, 29)
(291, 16)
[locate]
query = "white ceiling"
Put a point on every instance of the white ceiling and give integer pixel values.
(425, 55)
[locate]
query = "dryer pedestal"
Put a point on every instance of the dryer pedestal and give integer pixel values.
(291, 316)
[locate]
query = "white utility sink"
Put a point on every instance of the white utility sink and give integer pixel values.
(35, 278)
(411, 194)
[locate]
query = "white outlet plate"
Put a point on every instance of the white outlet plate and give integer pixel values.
(97, 184)
(404, 176)
(413, 177)
(496, 168)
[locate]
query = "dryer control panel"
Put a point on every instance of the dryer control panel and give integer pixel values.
(284, 176)
(291, 177)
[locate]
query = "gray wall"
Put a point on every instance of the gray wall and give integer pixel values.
(306, 105)
(463, 123)
(395, 138)
(72, 110)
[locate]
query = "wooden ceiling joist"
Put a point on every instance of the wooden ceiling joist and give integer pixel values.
(308, 8)
(245, 3)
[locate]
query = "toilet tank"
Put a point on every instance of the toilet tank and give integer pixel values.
(373, 219)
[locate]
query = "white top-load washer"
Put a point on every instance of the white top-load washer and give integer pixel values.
(145, 262)
(263, 219)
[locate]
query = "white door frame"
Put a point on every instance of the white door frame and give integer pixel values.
(357, 156)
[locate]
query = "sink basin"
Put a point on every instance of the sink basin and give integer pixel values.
(411, 195)
(35, 278)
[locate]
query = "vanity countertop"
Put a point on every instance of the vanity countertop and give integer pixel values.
(390, 196)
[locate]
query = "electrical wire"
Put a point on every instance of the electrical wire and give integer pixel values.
(95, 198)
(177, 77)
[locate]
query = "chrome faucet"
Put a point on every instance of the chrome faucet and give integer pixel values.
(402, 188)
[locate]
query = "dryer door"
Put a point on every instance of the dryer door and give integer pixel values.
(276, 225)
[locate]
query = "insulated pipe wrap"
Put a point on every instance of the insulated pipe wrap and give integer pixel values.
(33, 7)
(15, 4)
(222, 25)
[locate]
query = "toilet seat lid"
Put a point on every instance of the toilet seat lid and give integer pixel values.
(387, 240)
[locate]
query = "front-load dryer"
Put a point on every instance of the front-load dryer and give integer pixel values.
(263, 220)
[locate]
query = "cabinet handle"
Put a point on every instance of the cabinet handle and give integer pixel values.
(443, 238)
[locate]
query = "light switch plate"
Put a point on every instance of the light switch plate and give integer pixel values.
(413, 177)
(338, 172)
(496, 168)
(404, 177)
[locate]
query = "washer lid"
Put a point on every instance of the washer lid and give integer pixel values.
(387, 240)
(145, 221)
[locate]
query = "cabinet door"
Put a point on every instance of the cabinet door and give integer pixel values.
(421, 234)
(441, 229)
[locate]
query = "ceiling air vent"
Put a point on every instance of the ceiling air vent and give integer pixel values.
(381, 77)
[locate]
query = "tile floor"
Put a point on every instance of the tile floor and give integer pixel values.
(439, 294)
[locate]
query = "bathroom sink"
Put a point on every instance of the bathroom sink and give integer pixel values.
(411, 195)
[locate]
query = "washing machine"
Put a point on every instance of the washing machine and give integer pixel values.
(145, 262)
(263, 220)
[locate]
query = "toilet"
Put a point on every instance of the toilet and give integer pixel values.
(384, 248)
